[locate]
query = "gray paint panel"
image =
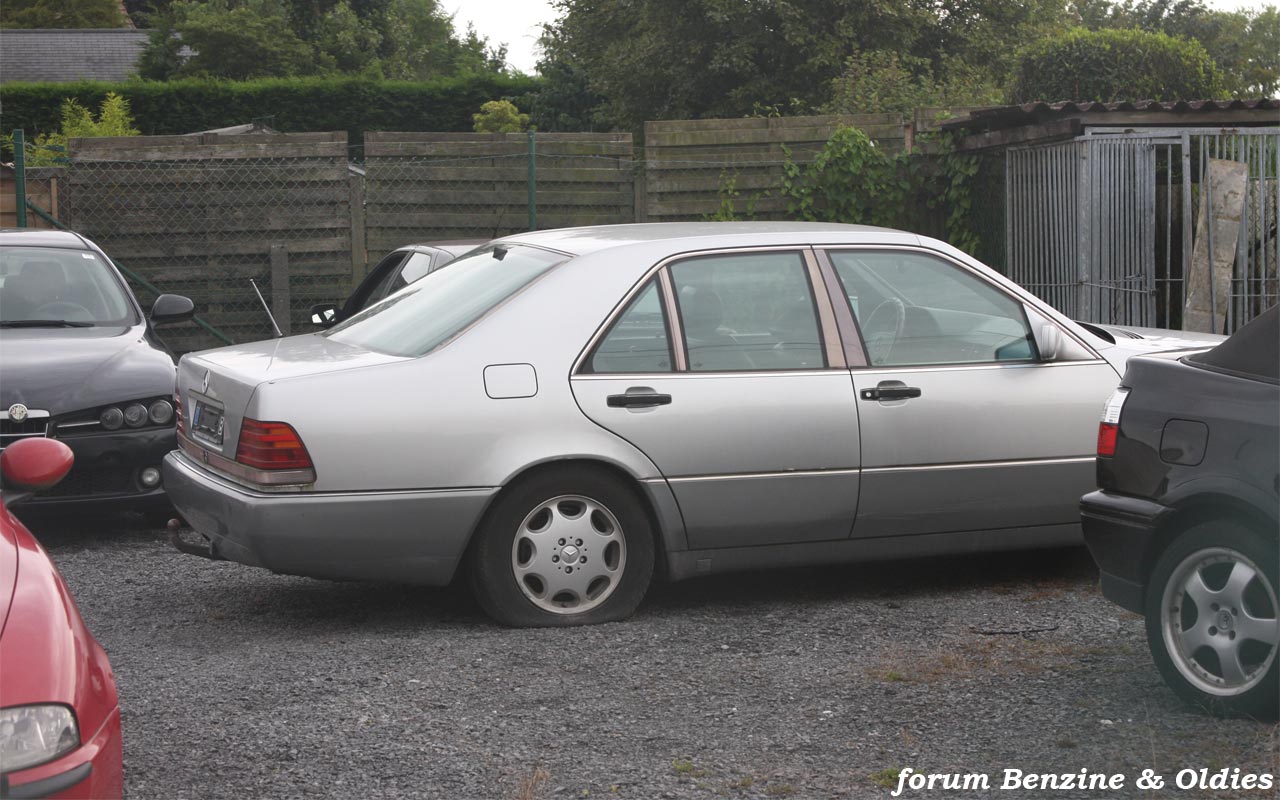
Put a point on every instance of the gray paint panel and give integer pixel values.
(801, 508)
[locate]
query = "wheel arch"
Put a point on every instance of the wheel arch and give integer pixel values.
(654, 495)
(1192, 511)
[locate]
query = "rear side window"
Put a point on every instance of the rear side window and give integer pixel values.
(638, 340)
(435, 309)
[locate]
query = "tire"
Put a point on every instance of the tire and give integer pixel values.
(1212, 619)
(566, 547)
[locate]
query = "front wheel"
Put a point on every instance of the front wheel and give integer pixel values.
(569, 547)
(1212, 622)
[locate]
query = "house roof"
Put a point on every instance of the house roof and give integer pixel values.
(1031, 122)
(63, 56)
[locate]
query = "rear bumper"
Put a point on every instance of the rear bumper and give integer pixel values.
(416, 536)
(1118, 530)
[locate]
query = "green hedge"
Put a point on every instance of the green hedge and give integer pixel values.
(1115, 65)
(296, 104)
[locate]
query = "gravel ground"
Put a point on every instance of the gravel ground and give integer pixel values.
(236, 683)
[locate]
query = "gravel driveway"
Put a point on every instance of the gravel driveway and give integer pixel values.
(236, 683)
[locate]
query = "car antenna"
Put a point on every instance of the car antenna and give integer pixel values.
(500, 252)
(266, 308)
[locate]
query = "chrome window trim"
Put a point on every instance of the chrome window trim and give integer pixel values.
(672, 312)
(1029, 299)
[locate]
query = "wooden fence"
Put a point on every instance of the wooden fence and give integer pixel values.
(201, 215)
(424, 186)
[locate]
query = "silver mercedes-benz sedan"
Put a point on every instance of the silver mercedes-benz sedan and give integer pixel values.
(564, 415)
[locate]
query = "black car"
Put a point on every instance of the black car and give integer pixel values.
(80, 362)
(396, 270)
(1185, 526)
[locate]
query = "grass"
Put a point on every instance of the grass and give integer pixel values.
(531, 786)
(983, 656)
(888, 777)
(686, 767)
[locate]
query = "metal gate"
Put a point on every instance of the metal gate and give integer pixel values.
(1101, 227)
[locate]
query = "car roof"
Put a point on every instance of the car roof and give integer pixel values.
(581, 241)
(19, 237)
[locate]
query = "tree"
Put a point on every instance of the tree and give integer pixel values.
(61, 14)
(500, 116)
(674, 59)
(879, 82)
(1115, 65)
(240, 40)
(114, 119)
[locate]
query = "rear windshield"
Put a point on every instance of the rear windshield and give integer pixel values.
(429, 312)
(61, 285)
(1254, 350)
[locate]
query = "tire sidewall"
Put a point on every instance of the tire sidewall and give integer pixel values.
(1260, 701)
(493, 581)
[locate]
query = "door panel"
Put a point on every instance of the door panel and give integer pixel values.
(728, 443)
(940, 461)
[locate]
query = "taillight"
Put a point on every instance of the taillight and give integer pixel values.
(1109, 427)
(177, 413)
(271, 446)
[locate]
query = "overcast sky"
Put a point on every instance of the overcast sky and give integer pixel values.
(518, 23)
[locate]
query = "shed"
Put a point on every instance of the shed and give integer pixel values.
(1143, 214)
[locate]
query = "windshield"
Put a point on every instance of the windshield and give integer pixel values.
(429, 312)
(54, 286)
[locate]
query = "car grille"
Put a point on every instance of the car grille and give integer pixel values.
(90, 482)
(12, 430)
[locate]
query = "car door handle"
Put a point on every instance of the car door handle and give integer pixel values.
(890, 391)
(638, 400)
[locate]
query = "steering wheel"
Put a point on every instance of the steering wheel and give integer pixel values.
(883, 327)
(63, 309)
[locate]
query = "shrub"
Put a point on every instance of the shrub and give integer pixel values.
(1114, 65)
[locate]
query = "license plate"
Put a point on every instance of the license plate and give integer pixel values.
(207, 422)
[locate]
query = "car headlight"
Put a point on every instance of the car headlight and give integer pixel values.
(31, 735)
(135, 415)
(161, 412)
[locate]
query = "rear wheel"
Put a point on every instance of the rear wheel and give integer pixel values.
(1212, 621)
(569, 547)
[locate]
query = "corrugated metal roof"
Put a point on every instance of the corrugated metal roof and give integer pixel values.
(62, 56)
(999, 117)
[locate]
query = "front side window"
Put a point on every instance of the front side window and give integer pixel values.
(60, 286)
(916, 309)
(748, 312)
(637, 342)
(435, 309)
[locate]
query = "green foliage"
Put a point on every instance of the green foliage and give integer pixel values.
(243, 39)
(729, 194)
(852, 180)
(293, 104)
(500, 116)
(881, 81)
(685, 59)
(60, 14)
(113, 119)
(1245, 44)
(1115, 65)
(240, 40)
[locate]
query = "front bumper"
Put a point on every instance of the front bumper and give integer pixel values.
(413, 536)
(107, 470)
(1118, 530)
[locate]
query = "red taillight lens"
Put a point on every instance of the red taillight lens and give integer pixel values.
(1107, 433)
(177, 413)
(271, 445)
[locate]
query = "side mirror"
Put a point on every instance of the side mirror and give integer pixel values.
(1049, 342)
(172, 308)
(324, 314)
(35, 463)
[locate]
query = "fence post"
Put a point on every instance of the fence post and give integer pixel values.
(280, 287)
(533, 182)
(359, 247)
(20, 175)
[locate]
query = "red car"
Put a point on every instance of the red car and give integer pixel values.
(59, 714)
